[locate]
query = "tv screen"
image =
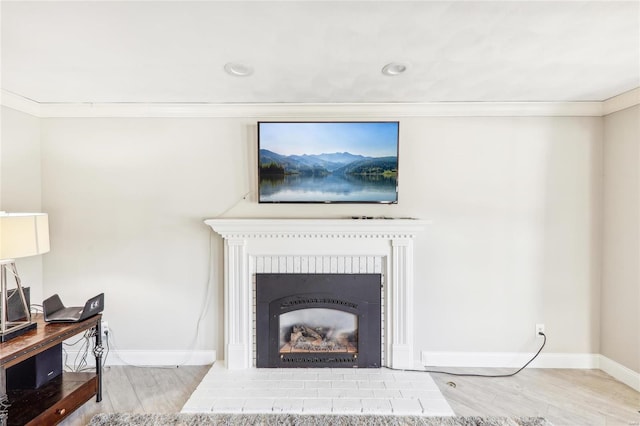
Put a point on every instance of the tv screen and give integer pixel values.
(328, 162)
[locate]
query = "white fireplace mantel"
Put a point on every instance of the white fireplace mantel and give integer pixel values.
(294, 244)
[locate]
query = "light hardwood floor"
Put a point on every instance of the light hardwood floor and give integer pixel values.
(564, 397)
(141, 390)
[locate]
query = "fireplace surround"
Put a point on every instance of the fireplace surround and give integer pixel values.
(322, 246)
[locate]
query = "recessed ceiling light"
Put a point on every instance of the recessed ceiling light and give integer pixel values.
(237, 69)
(393, 69)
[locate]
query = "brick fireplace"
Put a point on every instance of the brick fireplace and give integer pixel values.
(318, 246)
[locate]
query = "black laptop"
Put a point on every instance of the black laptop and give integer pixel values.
(55, 311)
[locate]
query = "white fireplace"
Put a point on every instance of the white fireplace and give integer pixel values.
(383, 246)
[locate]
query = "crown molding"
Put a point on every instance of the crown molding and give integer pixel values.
(20, 103)
(367, 110)
(622, 101)
(302, 110)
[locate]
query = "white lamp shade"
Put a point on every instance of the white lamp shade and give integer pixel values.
(23, 234)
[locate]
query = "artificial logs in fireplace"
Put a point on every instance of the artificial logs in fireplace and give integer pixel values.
(318, 320)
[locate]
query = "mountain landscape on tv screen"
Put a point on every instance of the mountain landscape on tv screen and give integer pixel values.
(329, 177)
(272, 163)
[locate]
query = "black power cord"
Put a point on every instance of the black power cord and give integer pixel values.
(481, 375)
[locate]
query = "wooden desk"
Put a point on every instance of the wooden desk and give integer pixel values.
(55, 400)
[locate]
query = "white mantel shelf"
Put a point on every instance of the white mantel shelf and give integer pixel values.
(382, 244)
(338, 228)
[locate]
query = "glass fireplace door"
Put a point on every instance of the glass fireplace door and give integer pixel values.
(315, 330)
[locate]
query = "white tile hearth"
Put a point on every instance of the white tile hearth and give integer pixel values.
(318, 391)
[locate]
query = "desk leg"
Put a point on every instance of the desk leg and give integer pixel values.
(4, 400)
(97, 352)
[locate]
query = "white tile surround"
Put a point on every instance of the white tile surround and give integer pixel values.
(317, 246)
(317, 391)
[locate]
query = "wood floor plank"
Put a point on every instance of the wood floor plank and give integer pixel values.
(157, 389)
(175, 393)
(121, 391)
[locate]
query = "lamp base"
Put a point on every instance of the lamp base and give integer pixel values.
(17, 331)
(10, 329)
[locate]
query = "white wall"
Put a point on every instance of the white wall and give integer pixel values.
(515, 206)
(515, 239)
(621, 239)
(20, 183)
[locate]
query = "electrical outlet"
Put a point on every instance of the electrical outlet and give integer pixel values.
(539, 329)
(105, 329)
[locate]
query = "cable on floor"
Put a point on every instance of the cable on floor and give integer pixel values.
(450, 373)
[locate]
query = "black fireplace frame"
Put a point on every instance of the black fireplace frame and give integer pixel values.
(359, 294)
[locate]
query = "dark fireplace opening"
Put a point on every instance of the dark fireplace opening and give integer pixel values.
(318, 320)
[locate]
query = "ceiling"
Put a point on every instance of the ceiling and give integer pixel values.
(319, 51)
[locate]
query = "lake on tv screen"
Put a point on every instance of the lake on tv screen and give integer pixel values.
(330, 188)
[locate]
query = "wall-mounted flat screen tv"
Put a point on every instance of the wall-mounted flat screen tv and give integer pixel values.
(328, 162)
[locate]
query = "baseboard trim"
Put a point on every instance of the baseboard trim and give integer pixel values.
(508, 359)
(149, 358)
(620, 372)
(442, 360)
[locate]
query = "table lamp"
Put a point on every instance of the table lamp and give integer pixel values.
(21, 235)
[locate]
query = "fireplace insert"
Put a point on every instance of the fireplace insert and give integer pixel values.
(318, 320)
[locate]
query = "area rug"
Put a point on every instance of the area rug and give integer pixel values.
(183, 419)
